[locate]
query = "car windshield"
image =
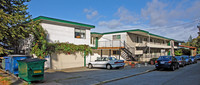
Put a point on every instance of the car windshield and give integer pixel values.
(186, 57)
(192, 57)
(178, 58)
(164, 58)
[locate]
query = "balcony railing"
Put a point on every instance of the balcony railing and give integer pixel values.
(113, 43)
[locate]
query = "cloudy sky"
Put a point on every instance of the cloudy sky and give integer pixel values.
(175, 19)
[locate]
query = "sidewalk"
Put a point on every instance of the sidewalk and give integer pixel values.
(87, 76)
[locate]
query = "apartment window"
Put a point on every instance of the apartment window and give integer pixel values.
(145, 39)
(116, 52)
(151, 40)
(80, 33)
(138, 39)
(116, 37)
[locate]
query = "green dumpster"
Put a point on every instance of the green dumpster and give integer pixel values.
(3, 63)
(31, 69)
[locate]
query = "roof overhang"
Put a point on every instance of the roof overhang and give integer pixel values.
(63, 22)
(96, 34)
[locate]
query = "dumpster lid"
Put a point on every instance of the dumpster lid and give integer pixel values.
(32, 60)
(17, 55)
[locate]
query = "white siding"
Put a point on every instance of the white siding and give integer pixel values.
(64, 34)
(107, 40)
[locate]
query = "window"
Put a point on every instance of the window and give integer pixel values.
(151, 40)
(116, 37)
(116, 52)
(138, 40)
(145, 39)
(80, 33)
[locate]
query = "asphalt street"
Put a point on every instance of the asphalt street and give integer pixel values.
(188, 75)
(90, 76)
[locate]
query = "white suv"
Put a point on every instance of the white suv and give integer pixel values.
(106, 62)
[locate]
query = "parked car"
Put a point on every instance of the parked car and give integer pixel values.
(187, 59)
(193, 59)
(168, 62)
(181, 60)
(106, 62)
(152, 61)
(198, 56)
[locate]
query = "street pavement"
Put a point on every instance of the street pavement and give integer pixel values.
(189, 75)
(89, 76)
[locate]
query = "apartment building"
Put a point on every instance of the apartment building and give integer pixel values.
(132, 44)
(64, 31)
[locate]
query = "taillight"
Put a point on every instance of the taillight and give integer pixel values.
(156, 62)
(170, 62)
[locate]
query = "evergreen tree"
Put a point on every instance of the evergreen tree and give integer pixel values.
(190, 39)
(14, 24)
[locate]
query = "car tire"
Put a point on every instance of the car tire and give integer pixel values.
(157, 69)
(108, 66)
(90, 66)
(178, 66)
(173, 68)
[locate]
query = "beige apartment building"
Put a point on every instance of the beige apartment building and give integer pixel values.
(132, 45)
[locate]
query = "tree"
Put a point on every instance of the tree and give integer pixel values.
(14, 24)
(178, 52)
(186, 52)
(40, 41)
(190, 39)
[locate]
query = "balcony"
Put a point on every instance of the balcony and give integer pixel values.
(157, 45)
(138, 52)
(115, 44)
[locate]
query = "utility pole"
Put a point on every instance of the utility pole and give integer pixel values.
(198, 26)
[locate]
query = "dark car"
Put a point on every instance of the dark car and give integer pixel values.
(198, 56)
(181, 60)
(193, 59)
(187, 59)
(168, 62)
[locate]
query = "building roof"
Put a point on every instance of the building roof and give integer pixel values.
(133, 31)
(187, 46)
(63, 21)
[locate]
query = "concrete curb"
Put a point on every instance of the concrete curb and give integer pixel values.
(116, 79)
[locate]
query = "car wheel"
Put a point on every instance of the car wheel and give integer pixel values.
(157, 69)
(90, 66)
(178, 66)
(108, 66)
(173, 68)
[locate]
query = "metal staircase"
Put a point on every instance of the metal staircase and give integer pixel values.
(128, 52)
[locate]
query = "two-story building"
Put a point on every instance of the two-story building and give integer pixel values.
(132, 44)
(66, 31)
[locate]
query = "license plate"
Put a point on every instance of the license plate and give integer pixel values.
(38, 71)
(162, 62)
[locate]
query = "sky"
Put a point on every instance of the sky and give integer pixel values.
(176, 19)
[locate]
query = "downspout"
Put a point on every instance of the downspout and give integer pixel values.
(96, 45)
(84, 59)
(149, 46)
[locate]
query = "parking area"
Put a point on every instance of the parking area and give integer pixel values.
(87, 76)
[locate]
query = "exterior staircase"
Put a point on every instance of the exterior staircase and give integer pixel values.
(128, 52)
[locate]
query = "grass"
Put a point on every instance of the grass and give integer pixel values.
(5, 80)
